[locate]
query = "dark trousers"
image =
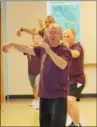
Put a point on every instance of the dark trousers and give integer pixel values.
(53, 112)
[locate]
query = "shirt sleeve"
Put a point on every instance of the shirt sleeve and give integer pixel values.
(37, 51)
(78, 48)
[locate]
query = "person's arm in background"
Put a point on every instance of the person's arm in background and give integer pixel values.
(26, 30)
(74, 52)
(31, 31)
(41, 26)
(20, 48)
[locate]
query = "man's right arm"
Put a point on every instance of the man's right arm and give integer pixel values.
(34, 30)
(29, 31)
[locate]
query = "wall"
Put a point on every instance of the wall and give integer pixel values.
(88, 36)
(25, 14)
(88, 30)
(19, 14)
(90, 72)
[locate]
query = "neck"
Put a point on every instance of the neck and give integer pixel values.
(55, 45)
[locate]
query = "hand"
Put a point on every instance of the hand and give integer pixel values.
(6, 47)
(46, 31)
(19, 32)
(45, 46)
(40, 23)
(66, 44)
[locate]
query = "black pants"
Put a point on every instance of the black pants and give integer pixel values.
(53, 112)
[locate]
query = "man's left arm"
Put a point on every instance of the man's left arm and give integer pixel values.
(60, 61)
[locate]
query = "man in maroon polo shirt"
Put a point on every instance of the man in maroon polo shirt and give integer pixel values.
(54, 79)
(77, 76)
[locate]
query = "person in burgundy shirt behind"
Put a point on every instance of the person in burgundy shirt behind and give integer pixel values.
(77, 76)
(33, 61)
(54, 77)
(34, 75)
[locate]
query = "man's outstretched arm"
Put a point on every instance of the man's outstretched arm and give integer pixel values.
(20, 48)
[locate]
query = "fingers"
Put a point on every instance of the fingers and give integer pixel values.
(39, 20)
(18, 33)
(5, 48)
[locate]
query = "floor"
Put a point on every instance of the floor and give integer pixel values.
(19, 113)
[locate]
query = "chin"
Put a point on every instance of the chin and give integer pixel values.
(54, 45)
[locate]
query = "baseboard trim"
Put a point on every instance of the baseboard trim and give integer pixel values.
(88, 95)
(32, 96)
(19, 97)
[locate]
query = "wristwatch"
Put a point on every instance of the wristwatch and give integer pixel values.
(21, 29)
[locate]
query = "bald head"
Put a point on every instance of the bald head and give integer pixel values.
(50, 19)
(55, 28)
(70, 31)
(54, 35)
(69, 36)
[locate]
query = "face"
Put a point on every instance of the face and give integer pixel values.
(37, 38)
(46, 24)
(54, 36)
(68, 36)
(48, 21)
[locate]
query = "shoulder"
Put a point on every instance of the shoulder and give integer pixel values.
(77, 46)
(65, 50)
